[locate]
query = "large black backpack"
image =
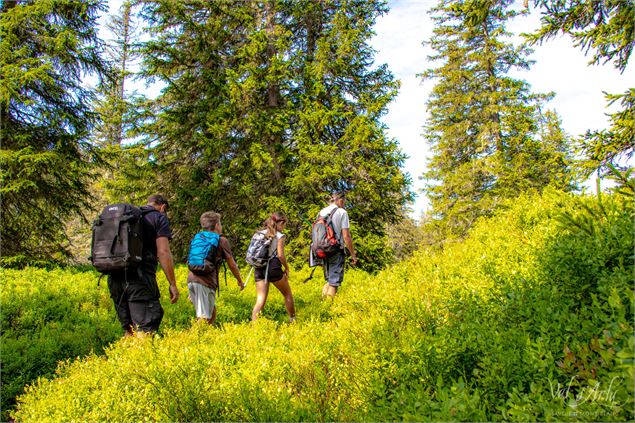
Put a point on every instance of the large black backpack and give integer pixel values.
(117, 241)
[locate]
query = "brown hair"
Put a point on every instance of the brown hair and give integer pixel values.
(209, 220)
(158, 200)
(338, 196)
(272, 221)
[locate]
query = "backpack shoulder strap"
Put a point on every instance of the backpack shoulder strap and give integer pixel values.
(329, 217)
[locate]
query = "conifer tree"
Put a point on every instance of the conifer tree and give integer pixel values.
(270, 105)
(488, 135)
(113, 106)
(47, 48)
(607, 30)
(126, 173)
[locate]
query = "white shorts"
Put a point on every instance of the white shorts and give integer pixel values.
(203, 298)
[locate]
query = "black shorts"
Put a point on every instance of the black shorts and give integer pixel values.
(274, 273)
(142, 316)
(136, 299)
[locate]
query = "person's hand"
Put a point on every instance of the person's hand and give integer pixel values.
(286, 271)
(174, 294)
(241, 285)
(353, 260)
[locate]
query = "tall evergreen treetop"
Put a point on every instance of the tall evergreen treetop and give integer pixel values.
(605, 29)
(486, 129)
(269, 106)
(114, 104)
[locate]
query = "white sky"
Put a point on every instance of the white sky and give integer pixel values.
(559, 67)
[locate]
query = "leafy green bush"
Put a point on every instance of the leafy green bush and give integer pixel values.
(528, 319)
(47, 316)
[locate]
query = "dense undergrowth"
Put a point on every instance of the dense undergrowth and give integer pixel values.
(529, 319)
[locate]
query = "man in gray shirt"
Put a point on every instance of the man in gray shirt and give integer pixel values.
(334, 265)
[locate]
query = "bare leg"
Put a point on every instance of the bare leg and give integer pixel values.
(328, 291)
(285, 289)
(211, 320)
(262, 290)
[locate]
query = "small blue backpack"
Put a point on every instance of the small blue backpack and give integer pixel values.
(203, 250)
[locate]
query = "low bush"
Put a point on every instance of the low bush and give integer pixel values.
(48, 316)
(529, 319)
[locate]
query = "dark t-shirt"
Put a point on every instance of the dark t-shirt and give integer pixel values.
(211, 280)
(155, 225)
(141, 284)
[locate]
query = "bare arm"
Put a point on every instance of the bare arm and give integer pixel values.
(346, 235)
(235, 271)
(167, 264)
(280, 251)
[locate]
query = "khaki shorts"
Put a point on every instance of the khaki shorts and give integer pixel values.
(203, 298)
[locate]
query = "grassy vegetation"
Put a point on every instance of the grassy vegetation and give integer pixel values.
(529, 319)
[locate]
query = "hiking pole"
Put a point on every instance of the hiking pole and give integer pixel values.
(311, 276)
(308, 222)
(314, 264)
(301, 216)
(249, 275)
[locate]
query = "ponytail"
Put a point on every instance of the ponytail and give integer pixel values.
(270, 227)
(271, 223)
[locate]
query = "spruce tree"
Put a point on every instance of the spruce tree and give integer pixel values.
(269, 106)
(486, 130)
(114, 106)
(47, 48)
(607, 30)
(126, 174)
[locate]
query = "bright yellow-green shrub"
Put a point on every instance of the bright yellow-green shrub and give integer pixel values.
(529, 319)
(48, 316)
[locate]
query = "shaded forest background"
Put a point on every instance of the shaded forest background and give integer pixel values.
(269, 106)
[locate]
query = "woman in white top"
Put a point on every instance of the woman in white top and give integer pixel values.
(275, 274)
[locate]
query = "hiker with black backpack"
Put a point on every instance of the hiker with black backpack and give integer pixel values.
(269, 265)
(208, 249)
(128, 244)
(330, 236)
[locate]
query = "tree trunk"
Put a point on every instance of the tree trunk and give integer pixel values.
(273, 90)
